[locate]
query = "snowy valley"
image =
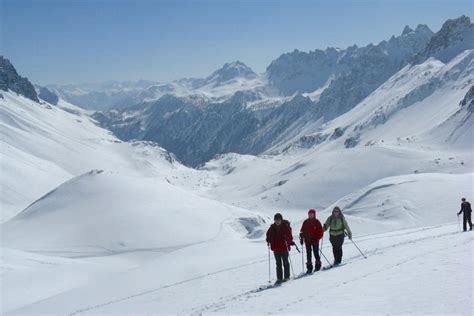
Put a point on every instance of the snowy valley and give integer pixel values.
(156, 198)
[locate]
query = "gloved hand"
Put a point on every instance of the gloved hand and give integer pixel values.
(301, 240)
(292, 243)
(350, 236)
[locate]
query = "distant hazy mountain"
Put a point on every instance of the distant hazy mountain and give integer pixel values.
(101, 96)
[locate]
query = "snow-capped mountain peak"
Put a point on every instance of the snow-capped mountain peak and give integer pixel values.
(229, 71)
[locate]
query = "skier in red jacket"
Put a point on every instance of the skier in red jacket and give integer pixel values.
(311, 232)
(280, 238)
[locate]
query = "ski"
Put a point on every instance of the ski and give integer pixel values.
(267, 287)
(331, 266)
(302, 275)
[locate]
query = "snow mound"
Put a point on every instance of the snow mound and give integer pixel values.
(106, 213)
(406, 201)
(44, 145)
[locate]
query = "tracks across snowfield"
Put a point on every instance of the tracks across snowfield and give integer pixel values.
(345, 275)
(406, 267)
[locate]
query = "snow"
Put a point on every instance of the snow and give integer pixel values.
(45, 145)
(97, 213)
(399, 269)
(394, 138)
(92, 225)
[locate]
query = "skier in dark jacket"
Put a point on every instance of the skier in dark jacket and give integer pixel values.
(311, 232)
(337, 225)
(466, 210)
(279, 238)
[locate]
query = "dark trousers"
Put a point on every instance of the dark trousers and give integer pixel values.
(466, 219)
(314, 248)
(281, 259)
(336, 242)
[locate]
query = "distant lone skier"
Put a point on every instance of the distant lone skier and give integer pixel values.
(280, 238)
(311, 232)
(466, 210)
(337, 225)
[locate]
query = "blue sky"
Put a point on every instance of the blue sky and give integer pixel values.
(74, 41)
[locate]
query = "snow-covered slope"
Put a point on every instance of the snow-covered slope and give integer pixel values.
(118, 227)
(102, 213)
(412, 104)
(414, 123)
(44, 145)
(406, 201)
(402, 274)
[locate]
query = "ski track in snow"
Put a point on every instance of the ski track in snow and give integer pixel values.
(86, 309)
(221, 303)
(214, 307)
(381, 270)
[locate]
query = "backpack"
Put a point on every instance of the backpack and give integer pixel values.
(284, 224)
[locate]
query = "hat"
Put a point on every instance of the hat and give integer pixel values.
(278, 216)
(312, 210)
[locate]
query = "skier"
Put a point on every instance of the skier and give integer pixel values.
(311, 232)
(337, 225)
(280, 238)
(466, 210)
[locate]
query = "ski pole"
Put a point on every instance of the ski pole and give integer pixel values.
(459, 223)
(322, 254)
(289, 258)
(321, 249)
(302, 260)
(296, 247)
(357, 247)
(269, 270)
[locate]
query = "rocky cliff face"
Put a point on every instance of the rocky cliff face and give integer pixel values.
(10, 80)
(468, 101)
(454, 37)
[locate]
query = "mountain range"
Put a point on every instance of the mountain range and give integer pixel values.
(102, 213)
(236, 110)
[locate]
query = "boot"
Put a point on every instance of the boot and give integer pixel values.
(317, 266)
